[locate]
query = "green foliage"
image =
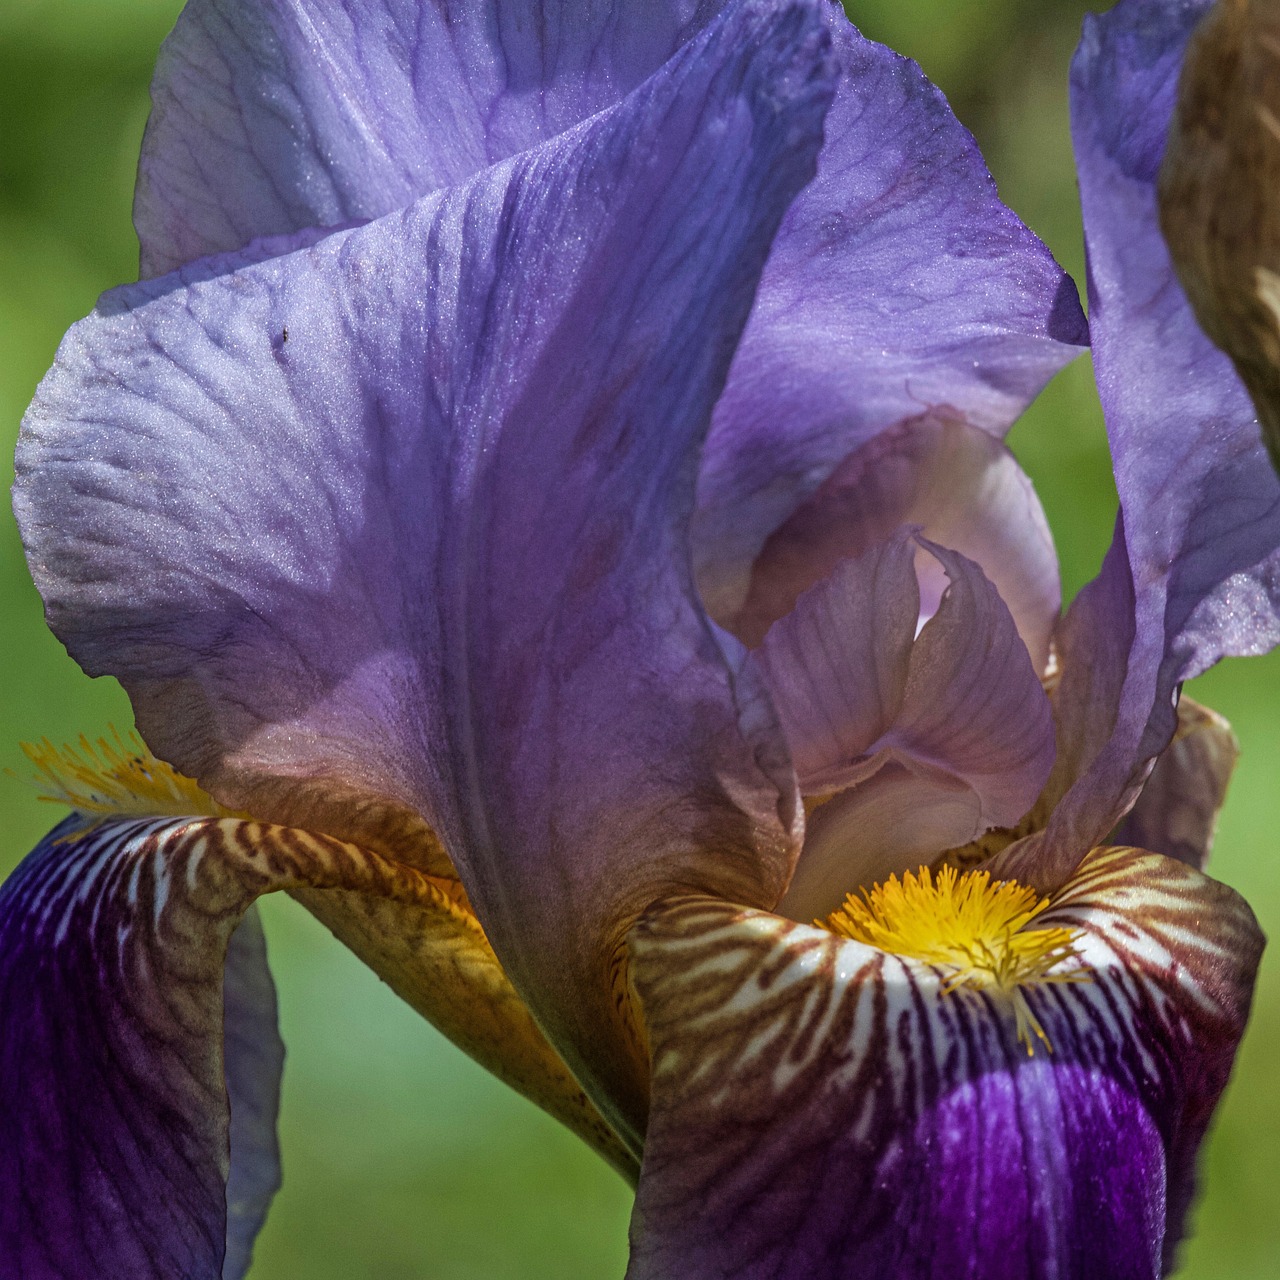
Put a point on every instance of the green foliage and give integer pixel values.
(403, 1159)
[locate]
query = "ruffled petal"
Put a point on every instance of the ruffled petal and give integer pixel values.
(272, 117)
(824, 1110)
(117, 1059)
(1177, 812)
(959, 485)
(837, 664)
(935, 742)
(963, 701)
(1199, 499)
(398, 522)
(898, 286)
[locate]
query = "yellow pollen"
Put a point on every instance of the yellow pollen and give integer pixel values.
(116, 778)
(970, 924)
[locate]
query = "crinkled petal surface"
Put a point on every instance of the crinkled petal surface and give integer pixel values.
(272, 117)
(122, 1048)
(1200, 503)
(824, 1110)
(898, 286)
(403, 516)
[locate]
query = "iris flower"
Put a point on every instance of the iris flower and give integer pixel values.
(546, 503)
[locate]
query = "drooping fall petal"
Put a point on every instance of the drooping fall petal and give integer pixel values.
(121, 1045)
(1195, 572)
(397, 523)
(824, 1110)
(253, 1059)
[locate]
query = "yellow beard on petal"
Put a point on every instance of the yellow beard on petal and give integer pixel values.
(967, 923)
(116, 778)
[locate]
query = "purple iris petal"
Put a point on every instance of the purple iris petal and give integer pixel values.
(837, 664)
(959, 485)
(253, 1062)
(961, 707)
(273, 117)
(827, 1111)
(974, 706)
(1199, 500)
(898, 286)
(851, 680)
(113, 1111)
(124, 1036)
(1177, 812)
(406, 511)
(248, 138)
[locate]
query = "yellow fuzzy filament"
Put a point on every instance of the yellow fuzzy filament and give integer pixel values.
(116, 778)
(973, 926)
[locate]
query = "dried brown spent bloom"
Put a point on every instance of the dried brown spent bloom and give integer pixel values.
(1220, 193)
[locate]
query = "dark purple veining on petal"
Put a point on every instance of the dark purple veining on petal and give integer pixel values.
(113, 1111)
(823, 1111)
(404, 514)
(136, 1012)
(271, 116)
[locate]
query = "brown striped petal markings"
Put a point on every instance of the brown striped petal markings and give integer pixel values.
(113, 1079)
(823, 1109)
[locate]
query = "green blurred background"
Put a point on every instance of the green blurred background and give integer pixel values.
(402, 1158)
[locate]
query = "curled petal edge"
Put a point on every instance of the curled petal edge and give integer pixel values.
(113, 1087)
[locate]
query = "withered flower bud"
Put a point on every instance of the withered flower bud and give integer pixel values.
(1220, 193)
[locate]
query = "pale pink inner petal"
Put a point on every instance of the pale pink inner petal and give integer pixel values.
(895, 821)
(931, 740)
(974, 705)
(837, 664)
(963, 699)
(960, 485)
